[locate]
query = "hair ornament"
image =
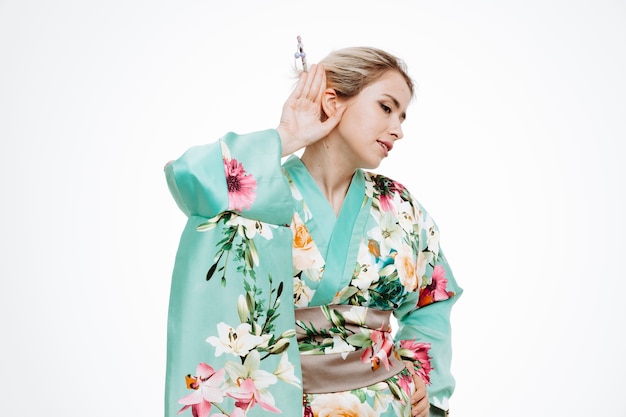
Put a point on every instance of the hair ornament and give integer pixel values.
(301, 54)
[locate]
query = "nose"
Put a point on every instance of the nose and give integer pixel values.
(396, 131)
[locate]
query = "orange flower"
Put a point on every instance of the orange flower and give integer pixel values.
(302, 239)
(306, 257)
(342, 404)
(407, 268)
(374, 248)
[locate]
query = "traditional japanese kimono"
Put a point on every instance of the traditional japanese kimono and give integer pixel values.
(278, 305)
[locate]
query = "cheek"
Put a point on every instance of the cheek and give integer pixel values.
(349, 124)
(358, 121)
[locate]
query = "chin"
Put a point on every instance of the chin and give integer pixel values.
(372, 165)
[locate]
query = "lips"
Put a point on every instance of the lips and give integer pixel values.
(386, 146)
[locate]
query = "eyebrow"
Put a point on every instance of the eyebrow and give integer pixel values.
(396, 103)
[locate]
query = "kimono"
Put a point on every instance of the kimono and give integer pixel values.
(269, 285)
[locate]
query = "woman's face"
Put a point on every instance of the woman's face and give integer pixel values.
(372, 120)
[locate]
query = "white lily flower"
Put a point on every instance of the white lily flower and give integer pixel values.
(286, 372)
(249, 228)
(368, 272)
(340, 346)
(388, 233)
(251, 368)
(302, 293)
(237, 341)
(404, 213)
(357, 314)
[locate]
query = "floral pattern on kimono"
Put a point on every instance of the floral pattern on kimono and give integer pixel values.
(395, 263)
(248, 240)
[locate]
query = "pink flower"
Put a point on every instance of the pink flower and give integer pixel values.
(436, 290)
(378, 353)
(206, 385)
(237, 412)
(439, 278)
(415, 350)
(241, 186)
(386, 202)
(418, 353)
(405, 382)
(248, 395)
(388, 190)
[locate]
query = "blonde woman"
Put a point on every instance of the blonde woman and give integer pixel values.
(287, 275)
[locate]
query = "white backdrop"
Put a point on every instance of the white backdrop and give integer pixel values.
(515, 144)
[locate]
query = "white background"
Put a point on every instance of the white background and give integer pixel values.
(515, 144)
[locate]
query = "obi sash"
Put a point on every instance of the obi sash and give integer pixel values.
(335, 372)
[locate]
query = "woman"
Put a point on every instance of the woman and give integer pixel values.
(286, 276)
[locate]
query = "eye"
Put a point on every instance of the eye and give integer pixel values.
(385, 108)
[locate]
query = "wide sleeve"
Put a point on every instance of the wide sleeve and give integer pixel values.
(231, 346)
(239, 173)
(424, 318)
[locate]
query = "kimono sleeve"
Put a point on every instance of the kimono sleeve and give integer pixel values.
(426, 319)
(239, 173)
(231, 328)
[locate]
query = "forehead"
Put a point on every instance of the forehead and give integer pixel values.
(392, 84)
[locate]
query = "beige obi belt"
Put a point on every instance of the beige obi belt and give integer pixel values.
(344, 347)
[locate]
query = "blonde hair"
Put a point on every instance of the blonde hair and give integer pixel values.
(350, 70)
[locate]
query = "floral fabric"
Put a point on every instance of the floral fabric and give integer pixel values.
(262, 241)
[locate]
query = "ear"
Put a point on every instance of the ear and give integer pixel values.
(329, 102)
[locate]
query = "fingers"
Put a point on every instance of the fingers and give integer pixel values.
(419, 398)
(419, 404)
(311, 84)
(309, 78)
(420, 389)
(421, 408)
(318, 83)
(297, 92)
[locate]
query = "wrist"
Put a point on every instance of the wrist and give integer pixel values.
(288, 142)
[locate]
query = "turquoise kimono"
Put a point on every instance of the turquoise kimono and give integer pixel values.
(267, 276)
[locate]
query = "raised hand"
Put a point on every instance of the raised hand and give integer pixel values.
(301, 121)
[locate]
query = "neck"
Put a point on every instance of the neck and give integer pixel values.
(331, 173)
